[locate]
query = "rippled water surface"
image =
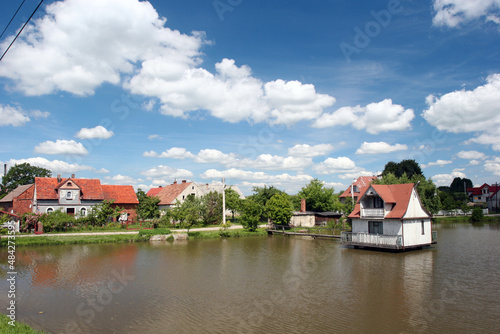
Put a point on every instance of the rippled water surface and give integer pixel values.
(262, 285)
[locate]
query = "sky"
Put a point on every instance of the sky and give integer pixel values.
(272, 93)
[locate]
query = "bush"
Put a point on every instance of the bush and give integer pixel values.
(158, 231)
(477, 214)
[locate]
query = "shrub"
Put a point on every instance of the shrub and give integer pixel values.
(477, 214)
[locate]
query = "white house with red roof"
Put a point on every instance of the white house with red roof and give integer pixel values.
(390, 216)
(356, 188)
(485, 194)
(76, 196)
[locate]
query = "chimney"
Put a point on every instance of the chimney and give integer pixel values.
(175, 182)
(160, 187)
(72, 176)
(183, 181)
(303, 205)
(4, 169)
(59, 178)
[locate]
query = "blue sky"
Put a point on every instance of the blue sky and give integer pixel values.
(260, 92)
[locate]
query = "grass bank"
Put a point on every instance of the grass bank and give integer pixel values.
(73, 240)
(226, 234)
(20, 328)
(465, 219)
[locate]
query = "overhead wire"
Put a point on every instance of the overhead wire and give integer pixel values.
(20, 31)
(8, 24)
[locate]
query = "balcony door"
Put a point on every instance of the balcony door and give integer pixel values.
(375, 227)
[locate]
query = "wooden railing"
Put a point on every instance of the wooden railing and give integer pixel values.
(372, 213)
(373, 240)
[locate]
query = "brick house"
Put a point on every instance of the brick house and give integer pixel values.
(18, 201)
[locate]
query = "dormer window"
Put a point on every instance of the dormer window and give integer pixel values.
(378, 203)
(68, 195)
(69, 184)
(355, 189)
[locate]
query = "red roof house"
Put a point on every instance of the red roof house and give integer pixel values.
(18, 201)
(357, 187)
(390, 216)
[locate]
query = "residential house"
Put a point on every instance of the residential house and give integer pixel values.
(76, 196)
(356, 188)
(178, 192)
(485, 195)
(18, 201)
(390, 216)
(306, 218)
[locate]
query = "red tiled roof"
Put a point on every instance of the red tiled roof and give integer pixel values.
(154, 191)
(47, 188)
(362, 182)
(120, 194)
(169, 193)
(398, 194)
(15, 193)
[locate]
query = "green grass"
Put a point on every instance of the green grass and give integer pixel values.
(20, 328)
(226, 234)
(73, 240)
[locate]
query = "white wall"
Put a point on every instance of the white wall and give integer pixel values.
(303, 220)
(413, 232)
(415, 209)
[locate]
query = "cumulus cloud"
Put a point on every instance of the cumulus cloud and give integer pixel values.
(173, 153)
(305, 150)
(374, 118)
(452, 13)
(16, 116)
(167, 172)
(99, 132)
(66, 50)
(379, 148)
(469, 111)
(447, 179)
(335, 165)
(493, 166)
(471, 155)
(155, 137)
(67, 147)
(439, 163)
(122, 179)
(250, 176)
(56, 166)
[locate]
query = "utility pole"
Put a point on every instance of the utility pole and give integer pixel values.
(224, 201)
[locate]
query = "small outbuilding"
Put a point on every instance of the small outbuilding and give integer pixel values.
(390, 216)
(305, 218)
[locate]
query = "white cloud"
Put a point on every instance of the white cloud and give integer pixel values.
(379, 148)
(452, 13)
(67, 147)
(374, 118)
(167, 172)
(335, 165)
(471, 155)
(439, 163)
(493, 166)
(272, 162)
(122, 179)
(468, 111)
(12, 116)
(56, 166)
(102, 171)
(446, 179)
(99, 132)
(309, 151)
(154, 137)
(173, 153)
(80, 45)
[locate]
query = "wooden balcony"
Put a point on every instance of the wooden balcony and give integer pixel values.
(372, 213)
(372, 240)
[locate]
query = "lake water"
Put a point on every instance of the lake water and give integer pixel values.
(271, 284)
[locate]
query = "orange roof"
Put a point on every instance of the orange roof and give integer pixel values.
(47, 188)
(120, 194)
(154, 191)
(398, 194)
(169, 193)
(362, 182)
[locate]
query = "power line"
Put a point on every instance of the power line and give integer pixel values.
(8, 24)
(20, 31)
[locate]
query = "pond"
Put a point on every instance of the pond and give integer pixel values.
(270, 284)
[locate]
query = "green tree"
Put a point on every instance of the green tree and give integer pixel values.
(279, 209)
(148, 205)
(212, 208)
(459, 185)
(189, 213)
(477, 214)
(251, 212)
(22, 174)
(318, 197)
(104, 212)
(233, 201)
(261, 195)
(410, 167)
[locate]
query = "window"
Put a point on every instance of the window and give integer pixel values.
(375, 227)
(378, 203)
(68, 195)
(192, 187)
(423, 227)
(50, 210)
(355, 189)
(83, 212)
(69, 184)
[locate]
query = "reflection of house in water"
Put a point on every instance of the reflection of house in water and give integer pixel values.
(390, 216)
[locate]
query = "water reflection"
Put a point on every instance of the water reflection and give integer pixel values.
(269, 284)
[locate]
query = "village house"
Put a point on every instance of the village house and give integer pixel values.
(304, 218)
(485, 195)
(73, 196)
(356, 188)
(178, 192)
(390, 216)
